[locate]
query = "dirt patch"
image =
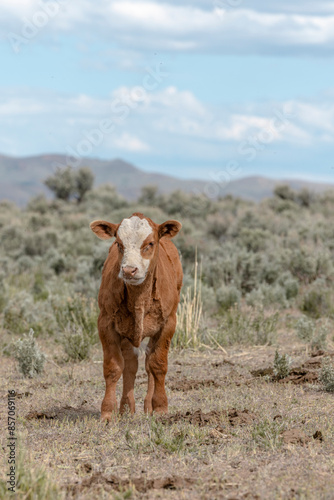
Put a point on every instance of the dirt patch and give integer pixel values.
(320, 352)
(63, 413)
(218, 364)
(318, 436)
(141, 484)
(300, 375)
(314, 362)
(211, 418)
(262, 372)
(25, 394)
(86, 467)
(242, 381)
(240, 417)
(191, 384)
(298, 436)
(185, 385)
(305, 374)
(195, 418)
(42, 385)
(295, 436)
(317, 357)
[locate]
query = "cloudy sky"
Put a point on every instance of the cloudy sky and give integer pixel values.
(194, 88)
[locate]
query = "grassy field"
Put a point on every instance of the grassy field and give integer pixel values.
(251, 369)
(233, 431)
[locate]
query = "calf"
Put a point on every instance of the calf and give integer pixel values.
(138, 298)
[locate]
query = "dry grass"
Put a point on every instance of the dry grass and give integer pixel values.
(189, 315)
(224, 437)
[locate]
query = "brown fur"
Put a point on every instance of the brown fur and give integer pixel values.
(129, 313)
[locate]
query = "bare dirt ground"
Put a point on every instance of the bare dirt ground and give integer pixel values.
(232, 431)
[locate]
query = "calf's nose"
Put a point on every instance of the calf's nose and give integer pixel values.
(129, 272)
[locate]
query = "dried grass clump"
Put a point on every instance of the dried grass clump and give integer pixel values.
(189, 315)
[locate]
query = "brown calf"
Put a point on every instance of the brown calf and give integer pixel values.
(138, 298)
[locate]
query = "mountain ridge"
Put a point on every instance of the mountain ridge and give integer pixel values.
(22, 178)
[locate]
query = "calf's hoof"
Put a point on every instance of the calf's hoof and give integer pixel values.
(107, 416)
(159, 404)
(160, 410)
(148, 410)
(127, 406)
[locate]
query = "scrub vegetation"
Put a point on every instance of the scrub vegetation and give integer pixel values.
(250, 380)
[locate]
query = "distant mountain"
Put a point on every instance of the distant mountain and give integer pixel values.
(22, 178)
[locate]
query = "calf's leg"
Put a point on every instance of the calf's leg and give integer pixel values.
(158, 364)
(113, 365)
(130, 356)
(150, 389)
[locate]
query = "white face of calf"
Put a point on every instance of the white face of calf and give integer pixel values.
(132, 233)
(137, 242)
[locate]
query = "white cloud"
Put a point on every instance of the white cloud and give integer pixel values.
(238, 30)
(14, 106)
(250, 27)
(318, 117)
(19, 7)
(171, 97)
(290, 6)
(128, 142)
(167, 120)
(282, 6)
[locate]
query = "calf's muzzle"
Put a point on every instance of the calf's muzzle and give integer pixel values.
(129, 271)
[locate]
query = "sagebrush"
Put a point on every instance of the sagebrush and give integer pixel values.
(29, 356)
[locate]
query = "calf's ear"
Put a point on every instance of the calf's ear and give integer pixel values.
(169, 228)
(103, 229)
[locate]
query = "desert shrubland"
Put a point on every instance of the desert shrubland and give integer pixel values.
(251, 372)
(256, 260)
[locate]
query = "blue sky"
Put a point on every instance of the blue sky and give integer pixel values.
(181, 87)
